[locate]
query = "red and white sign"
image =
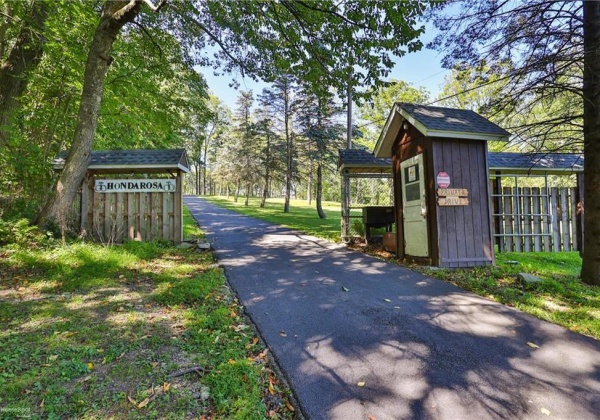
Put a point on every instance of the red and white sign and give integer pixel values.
(443, 180)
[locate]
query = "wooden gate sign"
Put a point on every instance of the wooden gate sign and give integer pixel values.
(443, 180)
(453, 197)
(134, 185)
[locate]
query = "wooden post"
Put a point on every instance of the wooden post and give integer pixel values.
(580, 210)
(537, 219)
(527, 219)
(131, 215)
(564, 213)
(508, 218)
(554, 215)
(517, 219)
(547, 224)
(178, 210)
(83, 209)
(573, 218)
(166, 234)
(119, 231)
(396, 171)
(497, 209)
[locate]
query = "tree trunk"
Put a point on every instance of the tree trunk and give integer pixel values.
(267, 172)
(237, 191)
(290, 154)
(248, 187)
(266, 188)
(590, 270)
(24, 57)
(197, 172)
(319, 196)
(115, 14)
(204, 166)
(309, 188)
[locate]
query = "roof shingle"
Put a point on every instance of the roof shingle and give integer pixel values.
(132, 158)
(450, 119)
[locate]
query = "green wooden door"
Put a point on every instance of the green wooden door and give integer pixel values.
(414, 207)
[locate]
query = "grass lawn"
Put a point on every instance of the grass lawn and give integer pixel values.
(560, 298)
(301, 217)
(142, 330)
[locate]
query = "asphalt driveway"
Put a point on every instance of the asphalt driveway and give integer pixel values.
(358, 337)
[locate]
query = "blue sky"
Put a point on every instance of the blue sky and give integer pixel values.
(420, 69)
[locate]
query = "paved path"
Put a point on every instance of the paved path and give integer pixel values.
(432, 352)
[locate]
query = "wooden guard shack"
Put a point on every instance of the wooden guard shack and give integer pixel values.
(132, 194)
(441, 188)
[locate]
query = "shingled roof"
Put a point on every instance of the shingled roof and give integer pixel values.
(434, 121)
(164, 159)
(438, 121)
(362, 161)
(535, 162)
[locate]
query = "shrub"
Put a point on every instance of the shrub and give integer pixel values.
(21, 232)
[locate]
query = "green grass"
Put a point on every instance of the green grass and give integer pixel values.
(91, 331)
(301, 217)
(560, 298)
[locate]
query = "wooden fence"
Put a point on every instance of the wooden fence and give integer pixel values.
(141, 216)
(537, 219)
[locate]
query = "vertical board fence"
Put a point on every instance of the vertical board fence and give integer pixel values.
(536, 219)
(140, 216)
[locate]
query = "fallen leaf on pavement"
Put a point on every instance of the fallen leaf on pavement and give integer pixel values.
(361, 383)
(282, 333)
(345, 289)
(387, 300)
(545, 411)
(289, 406)
(535, 346)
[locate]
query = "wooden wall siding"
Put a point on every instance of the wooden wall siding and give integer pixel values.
(464, 233)
(534, 220)
(116, 217)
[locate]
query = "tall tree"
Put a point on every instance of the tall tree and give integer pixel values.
(547, 55)
(590, 270)
(323, 133)
(281, 100)
(214, 128)
(244, 152)
(263, 39)
(376, 110)
(25, 55)
(270, 145)
(114, 15)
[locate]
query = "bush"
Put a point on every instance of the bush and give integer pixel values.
(20, 232)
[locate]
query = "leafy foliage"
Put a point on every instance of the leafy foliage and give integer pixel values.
(528, 55)
(375, 112)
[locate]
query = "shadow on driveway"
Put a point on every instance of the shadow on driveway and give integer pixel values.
(423, 348)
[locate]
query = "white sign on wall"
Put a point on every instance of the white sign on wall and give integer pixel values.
(134, 185)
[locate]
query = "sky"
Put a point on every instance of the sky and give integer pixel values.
(421, 68)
